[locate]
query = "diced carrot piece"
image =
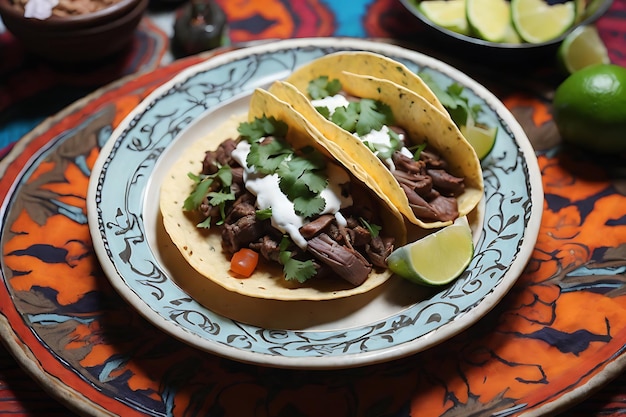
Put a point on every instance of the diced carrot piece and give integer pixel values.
(244, 262)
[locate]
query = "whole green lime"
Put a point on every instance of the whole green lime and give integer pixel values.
(589, 108)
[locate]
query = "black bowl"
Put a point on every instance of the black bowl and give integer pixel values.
(470, 47)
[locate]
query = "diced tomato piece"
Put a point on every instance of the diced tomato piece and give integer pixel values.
(244, 262)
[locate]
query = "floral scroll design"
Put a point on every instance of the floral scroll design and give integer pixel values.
(131, 161)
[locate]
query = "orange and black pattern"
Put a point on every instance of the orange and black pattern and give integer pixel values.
(559, 327)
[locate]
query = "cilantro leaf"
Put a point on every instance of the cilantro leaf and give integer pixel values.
(374, 229)
(267, 156)
(459, 114)
(219, 196)
(299, 270)
(308, 205)
(316, 181)
(251, 132)
(417, 150)
(347, 117)
(225, 174)
(322, 87)
(307, 169)
(446, 99)
(308, 160)
(373, 116)
(361, 117)
(324, 111)
(290, 186)
(372, 148)
(454, 101)
(205, 224)
(261, 127)
(263, 214)
(202, 185)
(294, 269)
(302, 179)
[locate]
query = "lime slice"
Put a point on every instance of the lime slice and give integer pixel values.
(435, 259)
(489, 19)
(482, 138)
(582, 48)
(536, 21)
(448, 14)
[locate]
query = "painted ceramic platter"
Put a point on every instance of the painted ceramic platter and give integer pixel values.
(397, 320)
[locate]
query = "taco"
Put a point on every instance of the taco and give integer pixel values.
(266, 184)
(393, 139)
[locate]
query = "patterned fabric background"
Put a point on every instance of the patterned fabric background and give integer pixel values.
(130, 368)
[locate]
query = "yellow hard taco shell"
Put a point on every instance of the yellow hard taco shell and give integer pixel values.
(423, 123)
(364, 63)
(202, 248)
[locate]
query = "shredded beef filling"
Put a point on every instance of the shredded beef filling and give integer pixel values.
(429, 187)
(350, 251)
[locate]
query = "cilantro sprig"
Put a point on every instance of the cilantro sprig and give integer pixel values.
(302, 174)
(323, 87)
(219, 197)
(362, 117)
(374, 229)
(262, 127)
(267, 156)
(294, 269)
(264, 214)
(417, 150)
(454, 101)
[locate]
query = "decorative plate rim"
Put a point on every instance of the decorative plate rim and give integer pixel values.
(315, 360)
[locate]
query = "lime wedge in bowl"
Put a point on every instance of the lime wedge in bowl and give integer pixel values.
(537, 21)
(436, 259)
(448, 14)
(489, 19)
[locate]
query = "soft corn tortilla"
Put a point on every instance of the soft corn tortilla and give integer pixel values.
(422, 122)
(202, 249)
(364, 63)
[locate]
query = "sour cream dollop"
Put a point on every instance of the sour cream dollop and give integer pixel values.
(380, 141)
(331, 102)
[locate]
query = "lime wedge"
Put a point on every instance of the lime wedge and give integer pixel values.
(536, 21)
(482, 138)
(448, 14)
(489, 19)
(582, 48)
(437, 258)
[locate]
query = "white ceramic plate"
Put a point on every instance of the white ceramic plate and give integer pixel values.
(393, 321)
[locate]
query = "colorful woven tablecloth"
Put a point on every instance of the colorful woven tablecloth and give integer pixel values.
(568, 308)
